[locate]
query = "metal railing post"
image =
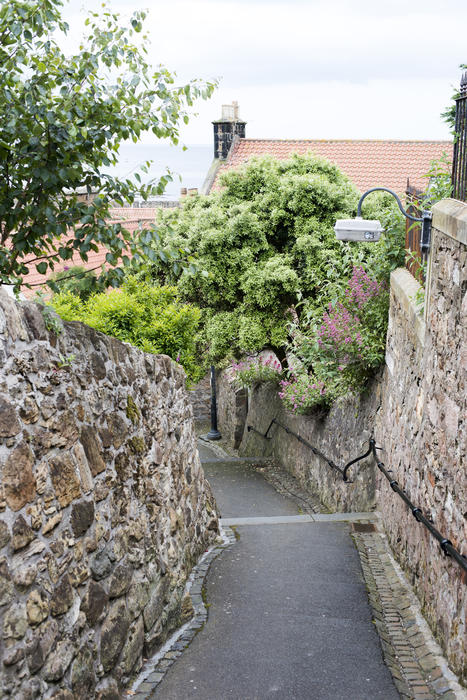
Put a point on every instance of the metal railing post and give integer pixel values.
(213, 434)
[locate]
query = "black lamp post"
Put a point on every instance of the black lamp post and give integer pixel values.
(213, 434)
(359, 229)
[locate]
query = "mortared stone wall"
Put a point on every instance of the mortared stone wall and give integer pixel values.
(104, 508)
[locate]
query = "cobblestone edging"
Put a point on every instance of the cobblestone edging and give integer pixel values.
(419, 670)
(155, 669)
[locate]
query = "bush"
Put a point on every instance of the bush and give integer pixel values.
(256, 369)
(338, 355)
(149, 317)
(77, 280)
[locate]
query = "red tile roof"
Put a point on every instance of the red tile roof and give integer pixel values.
(366, 163)
(129, 217)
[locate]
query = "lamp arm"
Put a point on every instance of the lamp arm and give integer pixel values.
(385, 189)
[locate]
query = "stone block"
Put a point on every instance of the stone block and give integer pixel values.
(37, 607)
(94, 602)
(9, 423)
(120, 580)
(83, 679)
(59, 660)
(4, 534)
(133, 649)
(22, 534)
(65, 479)
(101, 566)
(108, 690)
(82, 517)
(92, 450)
(6, 584)
(114, 633)
(62, 596)
(83, 467)
(15, 622)
(18, 480)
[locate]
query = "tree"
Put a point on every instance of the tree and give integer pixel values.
(62, 119)
(449, 114)
(266, 243)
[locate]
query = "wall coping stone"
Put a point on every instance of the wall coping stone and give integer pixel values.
(405, 286)
(450, 217)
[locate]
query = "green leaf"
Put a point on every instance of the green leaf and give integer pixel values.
(66, 115)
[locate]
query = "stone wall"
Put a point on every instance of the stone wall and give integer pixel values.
(104, 508)
(199, 396)
(232, 409)
(341, 435)
(422, 426)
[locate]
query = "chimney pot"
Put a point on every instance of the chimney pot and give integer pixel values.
(228, 113)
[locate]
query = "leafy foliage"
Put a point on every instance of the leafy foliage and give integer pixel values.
(449, 114)
(439, 184)
(256, 369)
(77, 280)
(62, 119)
(264, 243)
(338, 355)
(151, 318)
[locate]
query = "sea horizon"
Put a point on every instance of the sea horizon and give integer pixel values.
(190, 165)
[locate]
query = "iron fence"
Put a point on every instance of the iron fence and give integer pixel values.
(459, 165)
(414, 200)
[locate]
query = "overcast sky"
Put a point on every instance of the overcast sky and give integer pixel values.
(311, 69)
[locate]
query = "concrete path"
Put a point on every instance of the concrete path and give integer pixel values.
(288, 612)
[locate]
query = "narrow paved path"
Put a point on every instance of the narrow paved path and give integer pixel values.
(288, 612)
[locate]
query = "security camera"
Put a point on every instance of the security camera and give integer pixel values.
(358, 229)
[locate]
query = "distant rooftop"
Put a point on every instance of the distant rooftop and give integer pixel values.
(367, 163)
(130, 218)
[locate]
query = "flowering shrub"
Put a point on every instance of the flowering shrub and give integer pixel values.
(340, 353)
(353, 332)
(301, 393)
(362, 288)
(256, 369)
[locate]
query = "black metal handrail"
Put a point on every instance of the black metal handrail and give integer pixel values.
(446, 545)
(343, 471)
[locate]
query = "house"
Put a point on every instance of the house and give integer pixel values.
(367, 163)
(131, 218)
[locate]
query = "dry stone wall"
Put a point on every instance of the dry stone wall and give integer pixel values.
(104, 508)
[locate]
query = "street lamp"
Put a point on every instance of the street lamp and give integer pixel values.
(368, 230)
(213, 434)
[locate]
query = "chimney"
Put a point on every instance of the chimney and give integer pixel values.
(226, 128)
